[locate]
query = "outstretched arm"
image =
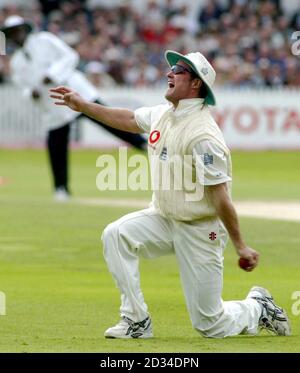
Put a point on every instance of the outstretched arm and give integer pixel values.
(122, 119)
(226, 212)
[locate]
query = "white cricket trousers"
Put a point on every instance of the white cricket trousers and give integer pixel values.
(198, 247)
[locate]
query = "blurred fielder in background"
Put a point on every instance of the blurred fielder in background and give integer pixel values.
(195, 231)
(42, 60)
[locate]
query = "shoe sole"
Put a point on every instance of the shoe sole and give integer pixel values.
(288, 329)
(144, 336)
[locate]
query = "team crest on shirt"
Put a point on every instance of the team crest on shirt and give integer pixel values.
(164, 154)
(208, 159)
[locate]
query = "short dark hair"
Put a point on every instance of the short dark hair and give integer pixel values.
(203, 90)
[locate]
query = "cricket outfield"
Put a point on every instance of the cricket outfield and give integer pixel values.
(59, 294)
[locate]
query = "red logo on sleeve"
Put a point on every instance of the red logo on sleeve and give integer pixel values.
(154, 136)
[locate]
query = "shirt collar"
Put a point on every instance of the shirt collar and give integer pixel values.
(187, 105)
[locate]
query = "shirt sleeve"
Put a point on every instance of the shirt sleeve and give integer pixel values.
(64, 58)
(211, 163)
(146, 116)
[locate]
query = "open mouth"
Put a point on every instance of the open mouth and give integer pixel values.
(171, 85)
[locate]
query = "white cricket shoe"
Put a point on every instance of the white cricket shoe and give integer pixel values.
(126, 328)
(61, 195)
(273, 317)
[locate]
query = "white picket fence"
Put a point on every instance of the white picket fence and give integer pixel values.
(20, 120)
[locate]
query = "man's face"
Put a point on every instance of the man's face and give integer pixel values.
(17, 35)
(180, 84)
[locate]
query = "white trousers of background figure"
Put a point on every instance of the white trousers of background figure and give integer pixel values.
(146, 233)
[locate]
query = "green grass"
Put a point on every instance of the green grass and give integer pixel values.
(266, 175)
(60, 296)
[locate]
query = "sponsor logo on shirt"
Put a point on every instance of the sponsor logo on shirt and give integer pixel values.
(212, 236)
(154, 137)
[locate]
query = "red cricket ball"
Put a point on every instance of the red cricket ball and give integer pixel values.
(244, 263)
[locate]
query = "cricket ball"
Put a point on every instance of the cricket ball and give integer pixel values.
(244, 263)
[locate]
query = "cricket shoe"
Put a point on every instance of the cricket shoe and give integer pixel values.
(126, 328)
(273, 317)
(61, 195)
